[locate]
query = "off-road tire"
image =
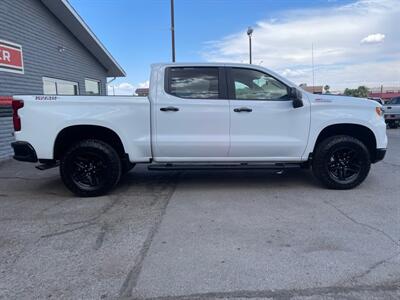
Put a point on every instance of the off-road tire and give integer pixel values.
(325, 153)
(105, 161)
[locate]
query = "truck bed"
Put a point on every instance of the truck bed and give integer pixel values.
(128, 116)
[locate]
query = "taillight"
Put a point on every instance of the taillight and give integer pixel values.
(17, 104)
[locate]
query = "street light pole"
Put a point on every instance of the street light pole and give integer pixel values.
(312, 62)
(249, 33)
(173, 30)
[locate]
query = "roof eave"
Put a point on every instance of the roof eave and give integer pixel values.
(75, 24)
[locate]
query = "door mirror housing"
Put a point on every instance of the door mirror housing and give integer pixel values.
(297, 96)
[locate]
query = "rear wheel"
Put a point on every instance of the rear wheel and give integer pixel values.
(341, 162)
(90, 168)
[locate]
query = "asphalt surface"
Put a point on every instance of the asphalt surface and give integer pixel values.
(201, 235)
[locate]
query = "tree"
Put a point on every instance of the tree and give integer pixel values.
(326, 89)
(361, 91)
(349, 92)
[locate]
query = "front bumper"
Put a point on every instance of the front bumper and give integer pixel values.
(23, 151)
(391, 117)
(379, 155)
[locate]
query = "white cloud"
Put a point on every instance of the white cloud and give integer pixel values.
(125, 88)
(144, 84)
(293, 73)
(371, 74)
(373, 38)
(284, 44)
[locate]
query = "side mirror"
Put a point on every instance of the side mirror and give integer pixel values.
(297, 96)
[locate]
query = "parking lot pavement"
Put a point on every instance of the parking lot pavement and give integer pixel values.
(229, 234)
(53, 245)
(222, 234)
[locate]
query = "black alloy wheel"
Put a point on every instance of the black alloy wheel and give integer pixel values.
(344, 164)
(90, 168)
(341, 162)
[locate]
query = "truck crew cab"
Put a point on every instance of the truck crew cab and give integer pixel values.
(203, 115)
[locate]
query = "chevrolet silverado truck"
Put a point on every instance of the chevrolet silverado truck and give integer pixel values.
(392, 112)
(200, 116)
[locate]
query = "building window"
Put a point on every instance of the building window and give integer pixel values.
(52, 86)
(49, 87)
(92, 87)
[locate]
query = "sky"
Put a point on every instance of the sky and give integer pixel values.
(355, 42)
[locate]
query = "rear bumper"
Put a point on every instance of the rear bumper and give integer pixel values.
(379, 155)
(23, 151)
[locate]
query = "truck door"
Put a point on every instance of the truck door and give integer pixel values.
(191, 115)
(264, 124)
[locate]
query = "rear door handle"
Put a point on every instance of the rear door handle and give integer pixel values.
(242, 109)
(169, 108)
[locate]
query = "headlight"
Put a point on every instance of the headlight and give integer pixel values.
(379, 111)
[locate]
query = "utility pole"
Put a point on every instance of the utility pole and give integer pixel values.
(249, 33)
(173, 30)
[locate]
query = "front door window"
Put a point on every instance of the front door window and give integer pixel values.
(254, 85)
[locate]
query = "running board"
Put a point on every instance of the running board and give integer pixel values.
(221, 166)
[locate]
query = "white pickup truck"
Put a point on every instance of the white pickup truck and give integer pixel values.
(201, 116)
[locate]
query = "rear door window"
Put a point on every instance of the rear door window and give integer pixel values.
(193, 82)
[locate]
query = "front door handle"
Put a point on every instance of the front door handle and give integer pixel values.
(389, 107)
(169, 108)
(242, 109)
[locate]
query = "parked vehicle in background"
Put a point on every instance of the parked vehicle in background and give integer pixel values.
(199, 116)
(392, 112)
(377, 99)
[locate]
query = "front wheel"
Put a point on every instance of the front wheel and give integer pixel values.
(393, 124)
(341, 162)
(90, 168)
